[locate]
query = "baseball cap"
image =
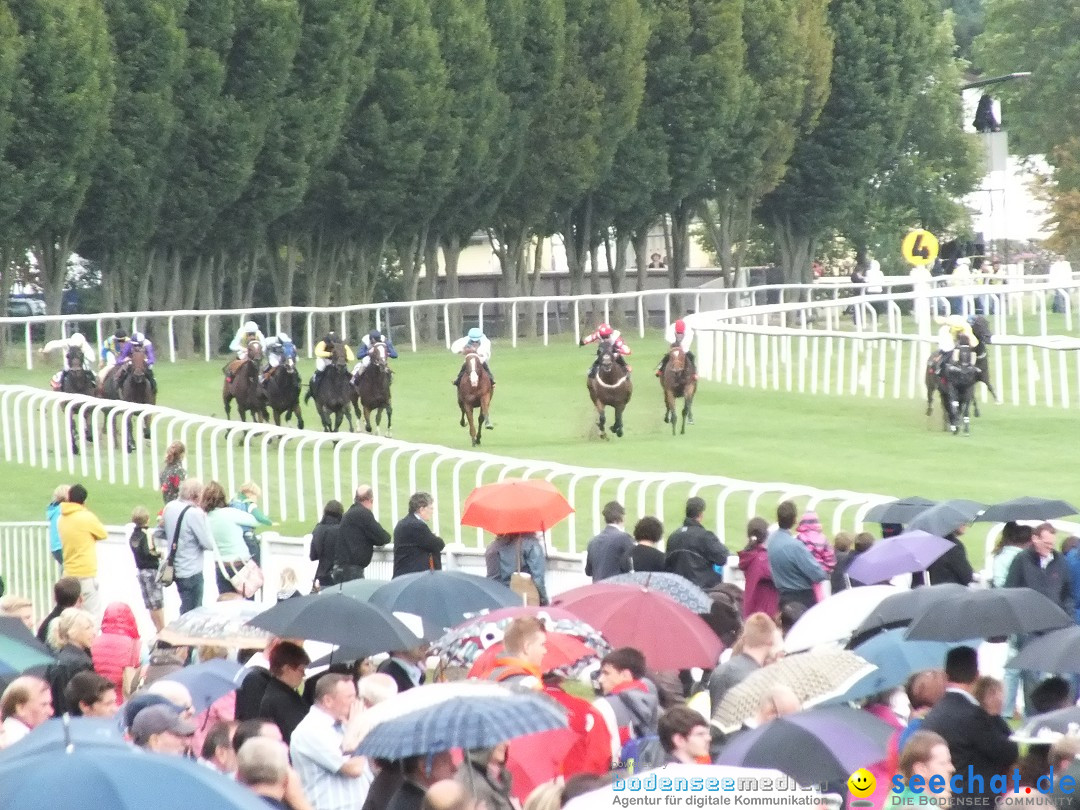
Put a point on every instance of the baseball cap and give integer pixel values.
(157, 720)
(142, 700)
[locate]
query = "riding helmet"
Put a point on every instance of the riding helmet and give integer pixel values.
(476, 333)
(251, 326)
(680, 327)
(77, 339)
(375, 335)
(604, 330)
(120, 334)
(283, 338)
(138, 337)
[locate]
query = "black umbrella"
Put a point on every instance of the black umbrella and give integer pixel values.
(946, 517)
(1047, 727)
(363, 628)
(900, 609)
(1027, 508)
(987, 614)
(443, 599)
(826, 744)
(1058, 651)
(898, 511)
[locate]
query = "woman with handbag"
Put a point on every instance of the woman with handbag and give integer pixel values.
(517, 558)
(236, 571)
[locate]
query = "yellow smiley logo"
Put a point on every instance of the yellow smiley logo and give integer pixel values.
(862, 783)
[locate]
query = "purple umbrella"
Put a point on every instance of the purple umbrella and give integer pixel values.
(914, 550)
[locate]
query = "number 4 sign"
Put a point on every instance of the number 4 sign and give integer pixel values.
(919, 247)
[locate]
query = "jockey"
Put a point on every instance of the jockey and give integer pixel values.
(679, 333)
(244, 335)
(475, 341)
(952, 328)
(74, 343)
(277, 348)
(366, 342)
(604, 332)
(110, 348)
(324, 350)
(138, 340)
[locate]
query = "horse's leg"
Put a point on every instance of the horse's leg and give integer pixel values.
(617, 427)
(131, 433)
(227, 398)
(467, 412)
(74, 428)
(602, 420)
(367, 418)
(669, 412)
(389, 416)
(685, 411)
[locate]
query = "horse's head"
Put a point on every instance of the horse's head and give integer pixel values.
(75, 359)
(980, 327)
(138, 362)
(337, 353)
(289, 364)
(378, 355)
(676, 358)
(964, 354)
(254, 350)
(606, 353)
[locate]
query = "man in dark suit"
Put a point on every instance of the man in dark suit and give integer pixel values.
(979, 742)
(608, 554)
(281, 703)
(694, 552)
(358, 534)
(416, 547)
(406, 667)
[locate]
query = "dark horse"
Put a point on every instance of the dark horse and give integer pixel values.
(242, 384)
(679, 380)
(130, 382)
(371, 388)
(959, 375)
(474, 391)
(78, 379)
(611, 387)
(282, 391)
(334, 395)
(981, 329)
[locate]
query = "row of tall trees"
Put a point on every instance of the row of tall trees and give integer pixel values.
(197, 150)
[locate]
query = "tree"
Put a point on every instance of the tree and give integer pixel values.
(11, 50)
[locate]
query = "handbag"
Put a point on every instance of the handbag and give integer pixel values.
(248, 579)
(167, 574)
(522, 584)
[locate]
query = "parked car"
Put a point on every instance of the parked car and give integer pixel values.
(25, 307)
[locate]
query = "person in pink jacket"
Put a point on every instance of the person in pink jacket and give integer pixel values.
(810, 534)
(117, 647)
(760, 594)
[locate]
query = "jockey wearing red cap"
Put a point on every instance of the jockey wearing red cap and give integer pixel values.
(679, 333)
(604, 332)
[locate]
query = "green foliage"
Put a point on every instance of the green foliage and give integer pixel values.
(11, 51)
(970, 19)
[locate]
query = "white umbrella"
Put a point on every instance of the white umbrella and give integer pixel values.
(835, 618)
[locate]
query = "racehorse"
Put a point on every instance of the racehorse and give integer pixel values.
(334, 395)
(981, 329)
(610, 387)
(959, 376)
(679, 380)
(130, 382)
(474, 391)
(371, 389)
(282, 391)
(242, 384)
(78, 380)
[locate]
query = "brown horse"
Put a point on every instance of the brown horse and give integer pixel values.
(281, 388)
(474, 391)
(611, 387)
(371, 389)
(679, 380)
(78, 379)
(130, 382)
(242, 384)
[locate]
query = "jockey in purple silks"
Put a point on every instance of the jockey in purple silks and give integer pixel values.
(138, 339)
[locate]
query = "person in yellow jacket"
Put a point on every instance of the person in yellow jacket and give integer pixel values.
(80, 530)
(324, 350)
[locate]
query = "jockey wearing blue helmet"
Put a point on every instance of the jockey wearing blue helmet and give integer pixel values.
(474, 341)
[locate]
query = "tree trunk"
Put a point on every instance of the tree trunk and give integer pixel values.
(668, 248)
(640, 240)
(451, 248)
(52, 256)
(189, 297)
(796, 252)
(680, 243)
(431, 282)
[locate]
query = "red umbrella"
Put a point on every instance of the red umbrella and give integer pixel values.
(562, 651)
(515, 505)
(669, 635)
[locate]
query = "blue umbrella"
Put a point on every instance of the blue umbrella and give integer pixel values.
(679, 588)
(76, 775)
(208, 681)
(895, 658)
(19, 649)
(62, 731)
(905, 553)
(443, 599)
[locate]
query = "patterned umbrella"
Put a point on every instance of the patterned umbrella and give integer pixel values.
(221, 623)
(814, 677)
(679, 588)
(462, 645)
(563, 653)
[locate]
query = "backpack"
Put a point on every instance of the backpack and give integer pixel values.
(642, 754)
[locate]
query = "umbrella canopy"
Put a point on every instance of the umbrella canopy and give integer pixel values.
(679, 588)
(826, 744)
(363, 628)
(443, 599)
(833, 619)
(1057, 651)
(1027, 508)
(536, 758)
(1050, 726)
(900, 609)
(465, 715)
(896, 658)
(208, 681)
(946, 517)
(563, 652)
(900, 511)
(667, 634)
(913, 550)
(224, 624)
(515, 505)
(988, 613)
(461, 645)
(814, 677)
(76, 775)
(19, 648)
(361, 589)
(68, 730)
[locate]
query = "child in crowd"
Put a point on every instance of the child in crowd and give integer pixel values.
(147, 562)
(247, 500)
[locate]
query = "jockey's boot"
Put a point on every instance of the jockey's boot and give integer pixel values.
(660, 367)
(487, 368)
(153, 380)
(457, 380)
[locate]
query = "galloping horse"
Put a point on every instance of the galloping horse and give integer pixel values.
(371, 388)
(78, 380)
(334, 395)
(981, 329)
(282, 391)
(242, 384)
(960, 374)
(130, 382)
(474, 391)
(679, 380)
(611, 387)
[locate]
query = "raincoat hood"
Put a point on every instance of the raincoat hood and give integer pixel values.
(119, 619)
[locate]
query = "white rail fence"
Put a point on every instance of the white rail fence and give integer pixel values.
(300, 470)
